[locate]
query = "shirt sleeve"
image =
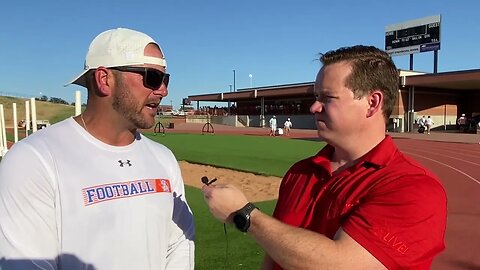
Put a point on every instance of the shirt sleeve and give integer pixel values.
(402, 223)
(181, 248)
(28, 232)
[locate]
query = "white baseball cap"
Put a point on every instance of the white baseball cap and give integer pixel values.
(116, 48)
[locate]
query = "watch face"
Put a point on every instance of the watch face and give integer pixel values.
(240, 222)
(242, 217)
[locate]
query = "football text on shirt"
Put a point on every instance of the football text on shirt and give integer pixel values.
(112, 191)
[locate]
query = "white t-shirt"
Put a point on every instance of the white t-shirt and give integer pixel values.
(72, 201)
(287, 124)
(429, 122)
(273, 123)
(423, 121)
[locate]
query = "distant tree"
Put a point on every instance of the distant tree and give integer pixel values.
(43, 98)
(58, 100)
(82, 105)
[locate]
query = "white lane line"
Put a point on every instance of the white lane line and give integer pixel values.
(446, 165)
(433, 153)
(464, 152)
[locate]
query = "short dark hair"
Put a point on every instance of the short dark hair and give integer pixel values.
(372, 69)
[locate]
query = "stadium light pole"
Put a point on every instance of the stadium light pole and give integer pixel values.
(234, 88)
(229, 103)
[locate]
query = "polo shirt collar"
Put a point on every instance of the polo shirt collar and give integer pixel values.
(324, 157)
(380, 156)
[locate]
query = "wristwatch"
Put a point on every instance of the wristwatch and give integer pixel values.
(242, 217)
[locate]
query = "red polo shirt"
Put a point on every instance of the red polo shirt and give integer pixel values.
(392, 206)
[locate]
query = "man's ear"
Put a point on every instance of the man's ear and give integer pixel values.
(101, 77)
(375, 103)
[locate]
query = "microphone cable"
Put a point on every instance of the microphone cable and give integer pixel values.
(226, 245)
(208, 182)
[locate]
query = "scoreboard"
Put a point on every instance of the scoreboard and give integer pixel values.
(421, 35)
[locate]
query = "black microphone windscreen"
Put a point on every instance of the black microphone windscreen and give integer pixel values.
(205, 180)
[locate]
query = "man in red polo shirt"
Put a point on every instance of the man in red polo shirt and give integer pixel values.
(359, 203)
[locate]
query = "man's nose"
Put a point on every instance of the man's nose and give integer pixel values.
(316, 107)
(162, 91)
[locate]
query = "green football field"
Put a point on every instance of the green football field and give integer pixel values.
(258, 154)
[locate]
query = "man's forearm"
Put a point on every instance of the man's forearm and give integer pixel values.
(291, 247)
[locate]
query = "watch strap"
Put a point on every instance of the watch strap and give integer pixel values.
(244, 213)
(248, 208)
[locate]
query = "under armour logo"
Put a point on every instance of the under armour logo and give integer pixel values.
(123, 163)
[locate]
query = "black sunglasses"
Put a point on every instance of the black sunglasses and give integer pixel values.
(152, 78)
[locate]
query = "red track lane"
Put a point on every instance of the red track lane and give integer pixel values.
(458, 167)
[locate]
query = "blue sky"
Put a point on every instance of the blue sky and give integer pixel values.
(43, 43)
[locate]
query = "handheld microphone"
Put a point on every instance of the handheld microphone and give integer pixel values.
(207, 182)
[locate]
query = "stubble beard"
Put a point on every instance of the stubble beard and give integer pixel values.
(124, 103)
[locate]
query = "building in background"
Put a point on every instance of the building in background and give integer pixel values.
(443, 96)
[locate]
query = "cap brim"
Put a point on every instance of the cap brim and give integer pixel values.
(79, 80)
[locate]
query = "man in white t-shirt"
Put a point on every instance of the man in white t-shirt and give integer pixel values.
(273, 125)
(91, 192)
(462, 122)
(287, 126)
(423, 121)
(429, 124)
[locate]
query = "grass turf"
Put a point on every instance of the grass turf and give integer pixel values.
(257, 154)
(211, 251)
